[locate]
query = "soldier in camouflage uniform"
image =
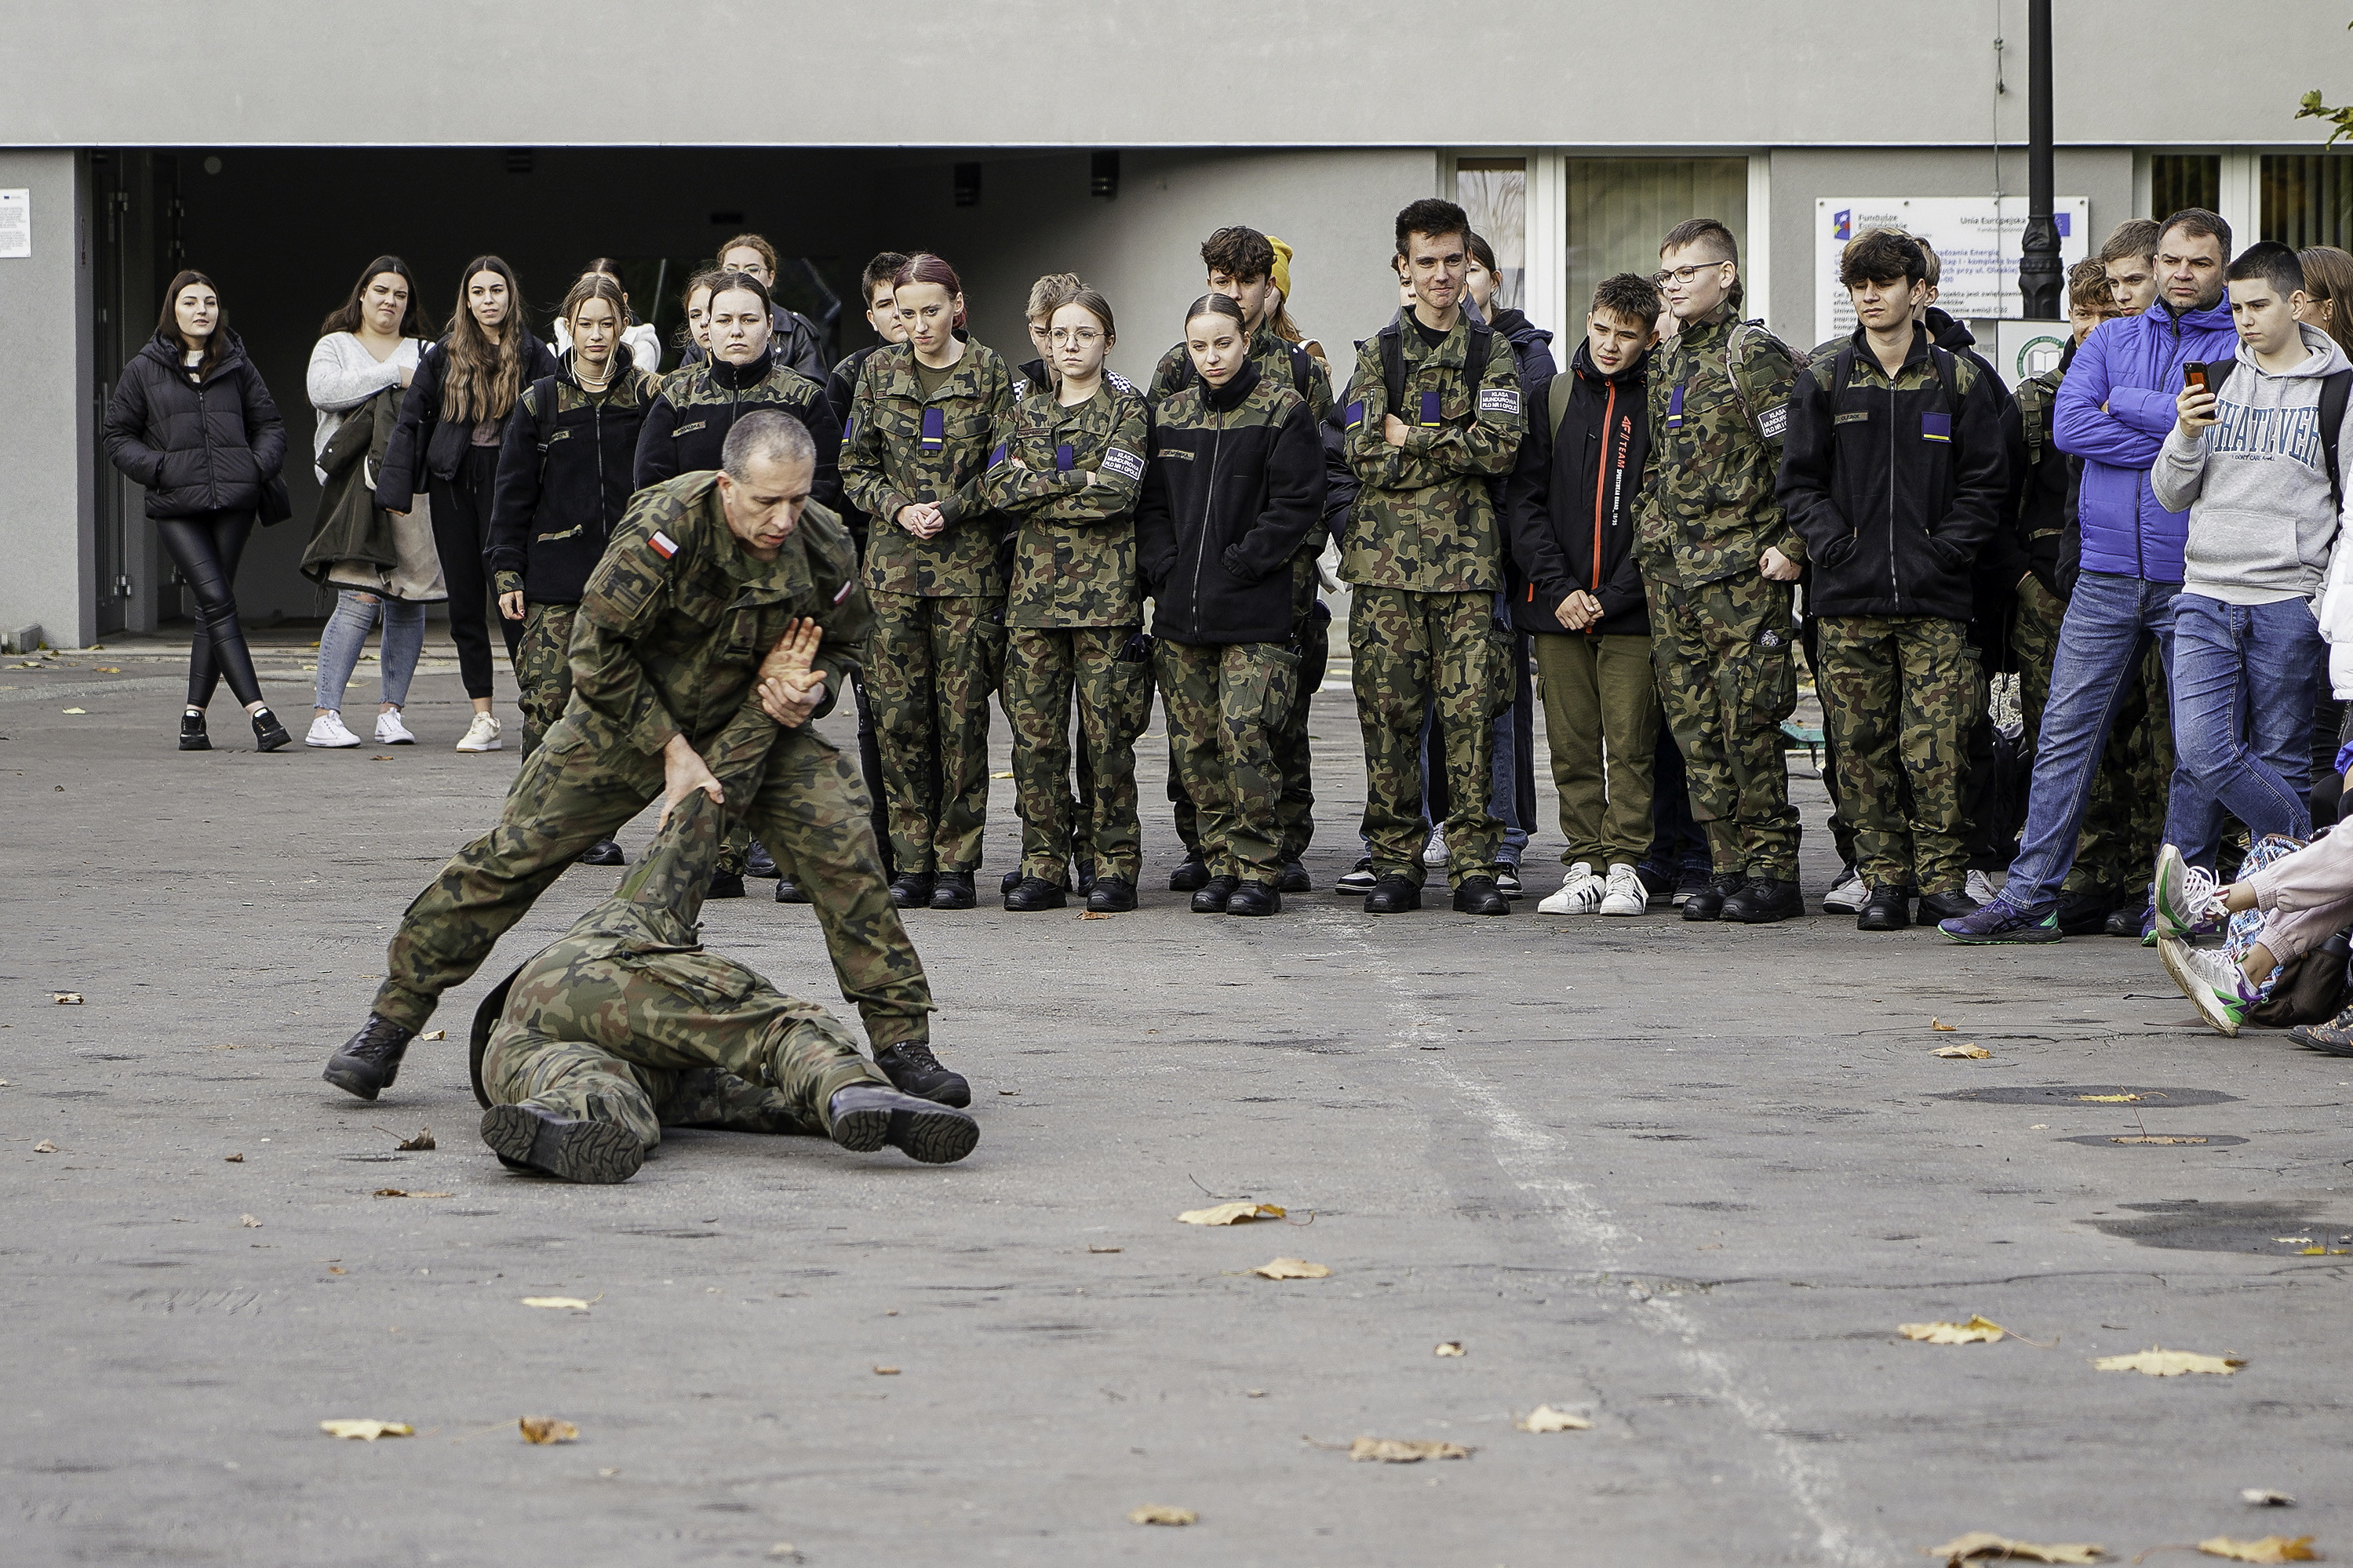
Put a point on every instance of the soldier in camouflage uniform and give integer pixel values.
(1068, 463)
(625, 1024)
(1718, 559)
(701, 583)
(1893, 472)
(1433, 413)
(919, 439)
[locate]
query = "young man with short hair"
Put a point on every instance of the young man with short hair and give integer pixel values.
(1434, 412)
(2130, 259)
(1572, 508)
(1893, 473)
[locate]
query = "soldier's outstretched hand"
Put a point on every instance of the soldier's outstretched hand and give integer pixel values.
(683, 773)
(790, 688)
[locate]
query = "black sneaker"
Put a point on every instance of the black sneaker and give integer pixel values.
(2132, 919)
(604, 852)
(913, 890)
(597, 1152)
(1507, 880)
(1393, 895)
(268, 734)
(366, 1064)
(1190, 877)
(1936, 909)
(759, 863)
(866, 1116)
(1887, 908)
(1359, 879)
(1705, 903)
(1211, 898)
(1480, 895)
(1033, 894)
(952, 890)
(1658, 883)
(192, 737)
(911, 1067)
(1295, 879)
(1111, 896)
(789, 891)
(1693, 879)
(1763, 901)
(725, 885)
(2086, 912)
(1254, 899)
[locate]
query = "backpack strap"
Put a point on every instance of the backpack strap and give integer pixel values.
(1557, 397)
(1842, 372)
(1303, 370)
(1393, 362)
(1474, 361)
(2334, 393)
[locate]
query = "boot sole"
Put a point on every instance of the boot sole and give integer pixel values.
(355, 1077)
(939, 1137)
(595, 1153)
(2201, 996)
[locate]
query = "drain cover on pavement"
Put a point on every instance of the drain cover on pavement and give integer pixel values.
(2278, 1229)
(2157, 1140)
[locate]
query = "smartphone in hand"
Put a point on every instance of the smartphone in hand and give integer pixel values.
(2193, 376)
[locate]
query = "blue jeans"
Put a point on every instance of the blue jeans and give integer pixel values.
(2244, 677)
(345, 637)
(2108, 624)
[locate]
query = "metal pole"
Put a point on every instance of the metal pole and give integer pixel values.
(2039, 276)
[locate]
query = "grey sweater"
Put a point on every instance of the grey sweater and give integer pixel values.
(2256, 482)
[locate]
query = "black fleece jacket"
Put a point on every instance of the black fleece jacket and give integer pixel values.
(1235, 483)
(553, 509)
(1569, 504)
(688, 423)
(196, 447)
(422, 443)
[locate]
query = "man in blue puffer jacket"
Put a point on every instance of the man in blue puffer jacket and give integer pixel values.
(2114, 411)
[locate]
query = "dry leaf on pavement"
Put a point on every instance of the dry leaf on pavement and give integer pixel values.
(1289, 1269)
(423, 1140)
(2270, 1548)
(546, 1429)
(2108, 1098)
(367, 1431)
(1397, 1451)
(1161, 1513)
(1450, 1347)
(436, 1034)
(247, 1221)
(1977, 1331)
(232, 1159)
(572, 1302)
(398, 1193)
(2168, 1364)
(1986, 1543)
(44, 1147)
(1973, 1051)
(1230, 1214)
(1942, 1027)
(1544, 1418)
(886, 1372)
(2263, 1497)
(65, 998)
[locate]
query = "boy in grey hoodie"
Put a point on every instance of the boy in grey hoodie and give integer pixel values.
(2247, 457)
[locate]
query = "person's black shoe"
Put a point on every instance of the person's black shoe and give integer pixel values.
(2086, 913)
(1763, 901)
(1036, 893)
(598, 1152)
(1886, 910)
(2334, 1037)
(1480, 895)
(1393, 895)
(789, 891)
(1937, 907)
(866, 1116)
(1012, 880)
(1084, 878)
(1189, 877)
(910, 1066)
(604, 852)
(913, 890)
(192, 737)
(2130, 918)
(1658, 883)
(1255, 899)
(758, 863)
(268, 734)
(1111, 896)
(725, 885)
(1295, 879)
(1212, 898)
(366, 1064)
(952, 890)
(1707, 903)
(1357, 880)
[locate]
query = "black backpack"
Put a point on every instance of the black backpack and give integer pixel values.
(1474, 361)
(2334, 393)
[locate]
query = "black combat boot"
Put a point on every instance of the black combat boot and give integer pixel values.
(1191, 876)
(368, 1062)
(952, 890)
(2085, 911)
(1012, 880)
(1112, 895)
(1254, 899)
(1707, 903)
(1480, 895)
(789, 891)
(866, 1116)
(910, 1066)
(1937, 907)
(1393, 895)
(913, 890)
(1764, 900)
(192, 737)
(724, 884)
(604, 852)
(1886, 909)
(1295, 879)
(597, 1152)
(1085, 881)
(759, 863)
(1033, 894)
(1213, 895)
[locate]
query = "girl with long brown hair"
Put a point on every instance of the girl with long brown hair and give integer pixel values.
(450, 427)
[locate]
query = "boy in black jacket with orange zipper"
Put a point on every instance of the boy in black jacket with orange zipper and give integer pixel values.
(1570, 506)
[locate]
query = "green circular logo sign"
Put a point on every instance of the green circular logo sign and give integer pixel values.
(2038, 354)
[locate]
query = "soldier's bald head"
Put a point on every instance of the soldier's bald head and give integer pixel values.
(764, 435)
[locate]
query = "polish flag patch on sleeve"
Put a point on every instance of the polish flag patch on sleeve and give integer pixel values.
(662, 544)
(844, 594)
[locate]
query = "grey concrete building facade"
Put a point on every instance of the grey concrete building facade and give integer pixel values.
(283, 144)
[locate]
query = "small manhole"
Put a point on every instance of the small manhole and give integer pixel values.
(2158, 1140)
(2186, 1225)
(2121, 1096)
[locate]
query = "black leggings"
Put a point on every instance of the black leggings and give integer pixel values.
(205, 548)
(461, 532)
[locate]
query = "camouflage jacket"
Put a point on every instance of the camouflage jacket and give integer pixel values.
(900, 449)
(1074, 543)
(1707, 512)
(1424, 518)
(678, 616)
(1281, 360)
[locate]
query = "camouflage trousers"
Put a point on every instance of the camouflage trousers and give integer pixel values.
(676, 1040)
(1224, 702)
(936, 662)
(1727, 660)
(2123, 816)
(1411, 651)
(542, 667)
(1901, 692)
(1294, 761)
(808, 805)
(1044, 668)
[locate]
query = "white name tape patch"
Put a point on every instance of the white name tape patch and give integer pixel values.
(1499, 400)
(1125, 464)
(1773, 421)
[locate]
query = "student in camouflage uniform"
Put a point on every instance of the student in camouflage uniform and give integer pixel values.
(921, 427)
(671, 691)
(1068, 463)
(625, 1024)
(1718, 560)
(1252, 269)
(1893, 474)
(1236, 481)
(1433, 413)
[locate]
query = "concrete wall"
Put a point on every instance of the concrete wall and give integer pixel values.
(48, 427)
(1131, 73)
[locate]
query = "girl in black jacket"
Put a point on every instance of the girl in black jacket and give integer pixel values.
(1235, 482)
(192, 423)
(450, 428)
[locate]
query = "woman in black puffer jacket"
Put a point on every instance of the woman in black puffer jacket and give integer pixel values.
(192, 423)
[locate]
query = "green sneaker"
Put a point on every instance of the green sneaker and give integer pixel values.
(2183, 896)
(2209, 977)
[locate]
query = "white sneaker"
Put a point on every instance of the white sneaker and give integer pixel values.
(1580, 893)
(327, 729)
(481, 735)
(1434, 852)
(1848, 894)
(1625, 894)
(391, 731)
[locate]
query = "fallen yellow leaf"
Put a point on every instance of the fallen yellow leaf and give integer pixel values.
(232, 1159)
(1004, 776)
(886, 1372)
(1161, 1513)
(44, 1147)
(247, 1221)
(2270, 1548)
(2168, 1364)
(367, 1431)
(1395, 1451)
(1090, 1247)
(1977, 1331)
(1095, 915)
(1450, 1347)
(73, 710)
(1985, 1543)
(1230, 1214)
(436, 1034)
(2108, 1098)
(546, 1429)
(1942, 1027)
(2312, 1252)
(1544, 1418)
(65, 998)
(1291, 1269)
(572, 1302)
(107, 669)
(1973, 1051)
(2291, 1240)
